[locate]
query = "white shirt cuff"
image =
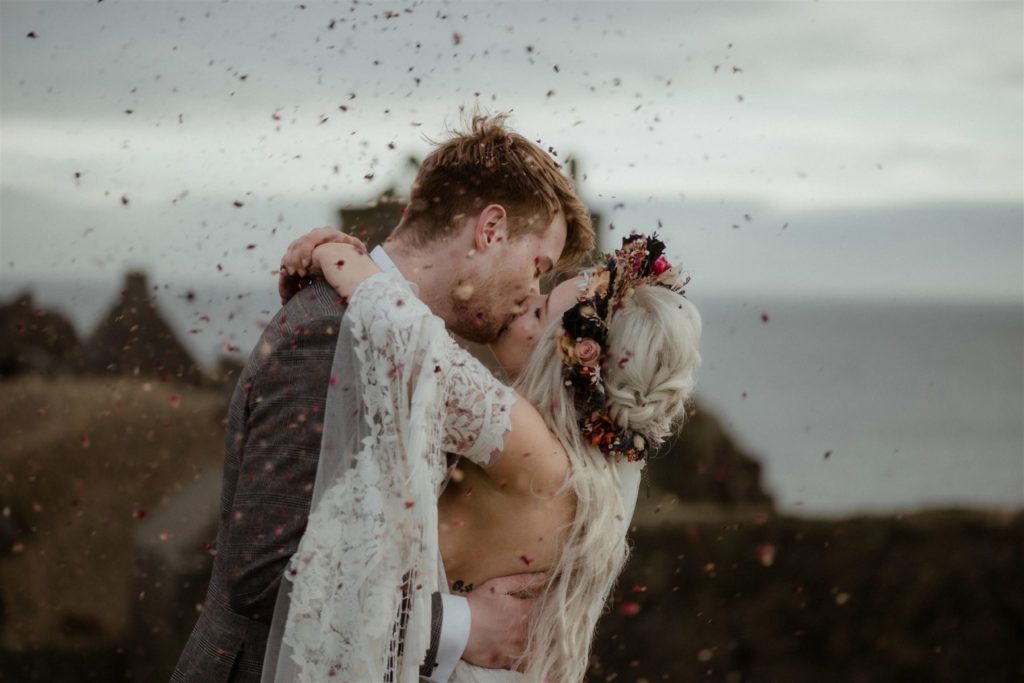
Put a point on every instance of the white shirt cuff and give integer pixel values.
(454, 636)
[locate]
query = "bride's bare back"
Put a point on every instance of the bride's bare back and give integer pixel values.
(492, 527)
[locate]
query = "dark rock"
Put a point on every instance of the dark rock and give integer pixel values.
(374, 222)
(705, 465)
(134, 339)
(933, 596)
(38, 341)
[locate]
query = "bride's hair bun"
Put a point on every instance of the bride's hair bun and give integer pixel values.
(653, 355)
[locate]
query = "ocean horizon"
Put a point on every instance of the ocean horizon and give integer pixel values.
(851, 405)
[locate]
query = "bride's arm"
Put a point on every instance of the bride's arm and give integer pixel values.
(297, 267)
(344, 266)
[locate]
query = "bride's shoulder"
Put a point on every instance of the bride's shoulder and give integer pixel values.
(533, 460)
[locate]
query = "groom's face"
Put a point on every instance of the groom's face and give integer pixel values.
(502, 278)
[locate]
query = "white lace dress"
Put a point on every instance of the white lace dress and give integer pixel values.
(356, 605)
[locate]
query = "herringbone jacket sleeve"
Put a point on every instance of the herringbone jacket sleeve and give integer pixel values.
(279, 447)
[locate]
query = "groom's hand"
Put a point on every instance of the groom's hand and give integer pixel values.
(499, 620)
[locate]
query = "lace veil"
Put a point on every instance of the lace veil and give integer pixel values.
(343, 431)
(355, 602)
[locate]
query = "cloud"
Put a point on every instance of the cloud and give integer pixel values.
(790, 105)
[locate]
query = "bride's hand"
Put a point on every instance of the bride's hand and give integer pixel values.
(298, 265)
(344, 266)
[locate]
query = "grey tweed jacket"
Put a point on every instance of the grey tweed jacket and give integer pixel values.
(271, 450)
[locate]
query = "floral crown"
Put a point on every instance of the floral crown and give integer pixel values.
(583, 337)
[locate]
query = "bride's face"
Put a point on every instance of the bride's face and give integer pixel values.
(515, 343)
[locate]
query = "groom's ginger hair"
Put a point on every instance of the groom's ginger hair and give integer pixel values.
(490, 164)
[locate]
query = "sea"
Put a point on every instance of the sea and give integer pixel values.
(869, 405)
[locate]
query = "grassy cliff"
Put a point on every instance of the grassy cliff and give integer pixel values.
(109, 497)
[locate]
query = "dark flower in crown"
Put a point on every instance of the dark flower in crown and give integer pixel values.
(583, 337)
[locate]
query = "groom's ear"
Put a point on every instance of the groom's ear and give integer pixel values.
(491, 227)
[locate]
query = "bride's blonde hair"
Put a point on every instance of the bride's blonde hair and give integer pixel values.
(653, 354)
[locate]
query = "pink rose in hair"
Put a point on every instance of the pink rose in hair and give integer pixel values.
(661, 265)
(587, 352)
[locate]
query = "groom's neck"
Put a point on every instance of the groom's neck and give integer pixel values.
(429, 267)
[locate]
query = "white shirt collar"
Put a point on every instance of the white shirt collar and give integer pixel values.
(384, 262)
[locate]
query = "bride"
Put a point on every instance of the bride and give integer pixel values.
(602, 370)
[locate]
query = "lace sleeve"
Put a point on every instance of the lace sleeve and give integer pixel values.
(477, 406)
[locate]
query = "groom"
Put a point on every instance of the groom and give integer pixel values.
(489, 214)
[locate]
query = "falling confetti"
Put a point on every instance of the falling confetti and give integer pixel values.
(766, 554)
(629, 609)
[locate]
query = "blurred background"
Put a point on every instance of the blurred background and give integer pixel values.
(842, 180)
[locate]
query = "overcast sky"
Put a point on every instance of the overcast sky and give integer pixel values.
(750, 129)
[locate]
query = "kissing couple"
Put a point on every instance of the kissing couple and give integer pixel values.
(391, 511)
